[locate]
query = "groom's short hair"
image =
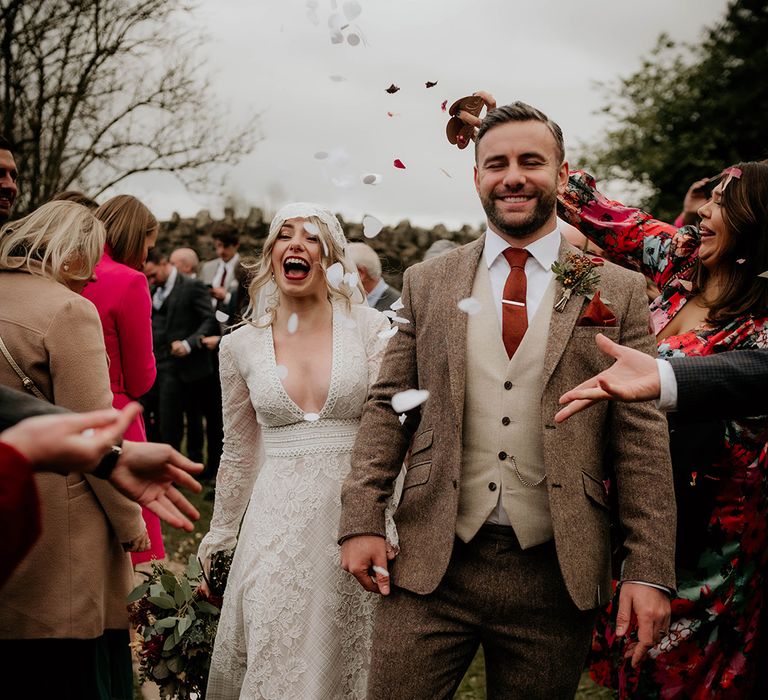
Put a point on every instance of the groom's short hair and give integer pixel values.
(520, 112)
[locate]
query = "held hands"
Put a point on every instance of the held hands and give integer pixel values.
(633, 377)
(650, 608)
(365, 557)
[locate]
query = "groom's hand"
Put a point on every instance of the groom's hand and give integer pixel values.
(365, 557)
(651, 608)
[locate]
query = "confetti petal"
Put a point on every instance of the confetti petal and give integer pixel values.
(351, 279)
(335, 274)
(399, 164)
(335, 22)
(391, 114)
(764, 274)
(446, 173)
(470, 306)
(371, 226)
(402, 418)
(338, 78)
(337, 38)
(372, 179)
(293, 323)
(444, 105)
(389, 314)
(741, 261)
(351, 9)
(400, 319)
(311, 229)
(325, 248)
(406, 400)
(397, 304)
(321, 155)
(353, 39)
(387, 334)
(430, 84)
(311, 417)
(221, 317)
(392, 89)
(281, 371)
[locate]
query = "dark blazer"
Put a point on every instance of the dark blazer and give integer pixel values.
(723, 386)
(430, 353)
(187, 316)
(390, 296)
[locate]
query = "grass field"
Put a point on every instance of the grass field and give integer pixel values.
(179, 545)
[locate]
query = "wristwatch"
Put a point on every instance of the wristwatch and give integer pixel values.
(109, 461)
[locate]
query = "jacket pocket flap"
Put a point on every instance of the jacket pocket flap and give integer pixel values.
(417, 474)
(595, 490)
(422, 441)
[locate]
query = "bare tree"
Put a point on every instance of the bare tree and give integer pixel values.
(96, 90)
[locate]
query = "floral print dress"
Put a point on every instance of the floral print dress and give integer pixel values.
(711, 650)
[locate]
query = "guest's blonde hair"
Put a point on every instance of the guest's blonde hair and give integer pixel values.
(262, 300)
(56, 236)
(128, 222)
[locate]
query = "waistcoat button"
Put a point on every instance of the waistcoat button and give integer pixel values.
(502, 456)
(507, 385)
(505, 420)
(492, 486)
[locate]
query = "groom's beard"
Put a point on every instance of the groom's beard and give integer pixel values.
(545, 204)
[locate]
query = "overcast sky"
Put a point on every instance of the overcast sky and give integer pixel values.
(315, 96)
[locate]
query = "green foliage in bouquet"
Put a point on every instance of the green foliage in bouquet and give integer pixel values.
(176, 627)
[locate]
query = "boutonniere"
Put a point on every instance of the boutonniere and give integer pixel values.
(578, 275)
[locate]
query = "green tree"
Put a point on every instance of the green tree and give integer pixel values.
(93, 91)
(689, 111)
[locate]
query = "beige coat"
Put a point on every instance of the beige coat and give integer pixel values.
(625, 442)
(74, 581)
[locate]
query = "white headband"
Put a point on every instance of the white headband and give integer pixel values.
(303, 210)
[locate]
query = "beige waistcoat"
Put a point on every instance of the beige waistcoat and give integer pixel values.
(487, 439)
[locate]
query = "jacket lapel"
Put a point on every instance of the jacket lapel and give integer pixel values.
(464, 277)
(562, 323)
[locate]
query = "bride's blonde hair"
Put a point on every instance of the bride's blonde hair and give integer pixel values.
(263, 294)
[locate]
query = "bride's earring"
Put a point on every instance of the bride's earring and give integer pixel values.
(65, 267)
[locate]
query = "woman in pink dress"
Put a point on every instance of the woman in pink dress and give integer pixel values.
(121, 296)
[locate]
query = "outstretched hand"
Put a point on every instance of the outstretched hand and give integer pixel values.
(147, 471)
(633, 377)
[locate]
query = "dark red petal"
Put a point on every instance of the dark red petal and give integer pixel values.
(443, 106)
(399, 164)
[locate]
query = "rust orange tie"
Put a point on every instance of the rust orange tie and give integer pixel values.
(514, 315)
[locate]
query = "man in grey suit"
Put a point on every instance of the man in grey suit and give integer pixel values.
(379, 294)
(504, 520)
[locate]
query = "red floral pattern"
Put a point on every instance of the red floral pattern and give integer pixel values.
(711, 649)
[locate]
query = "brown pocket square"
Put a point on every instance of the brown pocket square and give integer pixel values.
(597, 314)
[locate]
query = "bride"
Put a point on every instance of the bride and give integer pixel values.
(294, 381)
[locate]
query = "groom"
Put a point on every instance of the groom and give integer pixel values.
(504, 516)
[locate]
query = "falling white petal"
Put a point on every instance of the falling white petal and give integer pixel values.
(406, 400)
(337, 38)
(325, 248)
(397, 304)
(335, 274)
(338, 78)
(321, 155)
(221, 317)
(335, 22)
(353, 39)
(293, 323)
(400, 319)
(372, 179)
(387, 334)
(763, 274)
(311, 417)
(402, 418)
(351, 9)
(389, 314)
(371, 226)
(282, 371)
(344, 182)
(470, 306)
(741, 261)
(351, 279)
(311, 229)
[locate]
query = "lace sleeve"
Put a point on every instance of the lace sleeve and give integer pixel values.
(241, 457)
(375, 345)
(627, 235)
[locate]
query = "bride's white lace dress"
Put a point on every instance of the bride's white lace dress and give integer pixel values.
(293, 624)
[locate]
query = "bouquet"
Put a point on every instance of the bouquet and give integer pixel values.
(177, 626)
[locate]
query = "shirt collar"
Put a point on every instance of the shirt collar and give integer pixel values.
(168, 286)
(376, 292)
(543, 250)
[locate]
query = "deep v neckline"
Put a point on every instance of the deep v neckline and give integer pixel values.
(335, 354)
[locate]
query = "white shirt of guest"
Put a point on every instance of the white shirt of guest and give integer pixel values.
(538, 268)
(230, 266)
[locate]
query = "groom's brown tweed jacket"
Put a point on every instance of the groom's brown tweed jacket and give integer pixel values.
(626, 443)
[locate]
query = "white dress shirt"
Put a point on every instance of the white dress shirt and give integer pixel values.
(161, 293)
(375, 294)
(222, 280)
(667, 400)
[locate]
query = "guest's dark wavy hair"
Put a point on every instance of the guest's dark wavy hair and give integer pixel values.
(744, 204)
